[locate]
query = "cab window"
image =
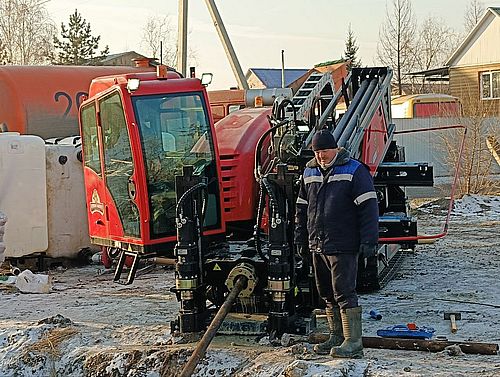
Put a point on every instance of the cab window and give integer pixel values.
(90, 140)
(118, 161)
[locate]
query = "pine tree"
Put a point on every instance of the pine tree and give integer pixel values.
(351, 49)
(78, 46)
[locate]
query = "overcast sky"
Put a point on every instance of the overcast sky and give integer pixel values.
(310, 32)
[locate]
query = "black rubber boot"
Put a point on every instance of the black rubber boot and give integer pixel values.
(352, 346)
(335, 329)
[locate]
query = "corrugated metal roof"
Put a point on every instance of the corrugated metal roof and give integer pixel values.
(271, 77)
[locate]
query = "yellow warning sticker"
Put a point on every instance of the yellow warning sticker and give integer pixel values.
(216, 267)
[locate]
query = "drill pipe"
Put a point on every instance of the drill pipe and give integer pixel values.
(416, 344)
(203, 344)
(339, 128)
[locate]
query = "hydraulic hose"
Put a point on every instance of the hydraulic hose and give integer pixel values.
(258, 148)
(279, 114)
(178, 208)
(452, 193)
(272, 198)
(312, 115)
(204, 207)
(264, 185)
(260, 212)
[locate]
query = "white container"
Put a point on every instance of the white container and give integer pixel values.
(67, 215)
(28, 282)
(23, 193)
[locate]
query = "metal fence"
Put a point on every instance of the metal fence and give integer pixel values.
(433, 146)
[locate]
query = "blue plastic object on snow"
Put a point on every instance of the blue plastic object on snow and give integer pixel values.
(405, 331)
(375, 314)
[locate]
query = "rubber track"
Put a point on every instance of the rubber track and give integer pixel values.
(395, 263)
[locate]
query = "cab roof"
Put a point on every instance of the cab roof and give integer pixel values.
(148, 81)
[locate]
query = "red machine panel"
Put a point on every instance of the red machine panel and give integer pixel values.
(237, 137)
(375, 140)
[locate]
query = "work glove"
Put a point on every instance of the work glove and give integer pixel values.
(367, 250)
(302, 250)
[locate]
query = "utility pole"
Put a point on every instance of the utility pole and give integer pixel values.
(226, 43)
(182, 38)
(221, 30)
(282, 68)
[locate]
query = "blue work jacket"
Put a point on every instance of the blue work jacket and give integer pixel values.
(337, 209)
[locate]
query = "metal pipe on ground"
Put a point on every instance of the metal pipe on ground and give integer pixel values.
(417, 344)
(203, 344)
(164, 261)
(468, 302)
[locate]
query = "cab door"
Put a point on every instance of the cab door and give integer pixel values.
(95, 188)
(119, 172)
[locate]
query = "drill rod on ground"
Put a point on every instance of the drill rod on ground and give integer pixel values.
(416, 344)
(203, 344)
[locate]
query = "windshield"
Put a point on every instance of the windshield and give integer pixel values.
(175, 132)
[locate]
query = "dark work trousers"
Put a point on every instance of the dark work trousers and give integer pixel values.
(336, 278)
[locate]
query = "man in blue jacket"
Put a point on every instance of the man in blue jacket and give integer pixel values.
(337, 220)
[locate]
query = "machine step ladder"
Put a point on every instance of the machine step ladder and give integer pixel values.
(310, 89)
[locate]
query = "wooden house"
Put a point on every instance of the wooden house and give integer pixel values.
(474, 67)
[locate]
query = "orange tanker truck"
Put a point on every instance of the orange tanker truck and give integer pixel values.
(44, 100)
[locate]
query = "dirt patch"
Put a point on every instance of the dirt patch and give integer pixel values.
(124, 331)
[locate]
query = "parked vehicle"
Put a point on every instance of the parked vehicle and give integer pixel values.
(425, 106)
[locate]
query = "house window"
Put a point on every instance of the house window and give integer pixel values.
(490, 85)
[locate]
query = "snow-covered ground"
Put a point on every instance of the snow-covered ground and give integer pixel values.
(89, 326)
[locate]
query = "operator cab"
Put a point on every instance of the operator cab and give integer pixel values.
(173, 133)
(139, 131)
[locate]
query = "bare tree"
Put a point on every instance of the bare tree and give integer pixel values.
(3, 54)
(435, 44)
(473, 13)
(477, 161)
(397, 40)
(159, 29)
(26, 32)
(436, 41)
